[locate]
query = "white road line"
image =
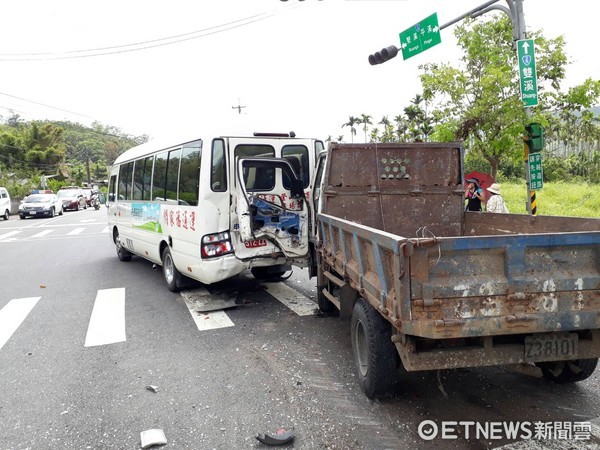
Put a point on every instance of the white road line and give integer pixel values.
(293, 299)
(13, 314)
(208, 321)
(42, 233)
(75, 231)
(9, 234)
(105, 230)
(107, 323)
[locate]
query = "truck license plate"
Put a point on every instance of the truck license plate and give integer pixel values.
(551, 347)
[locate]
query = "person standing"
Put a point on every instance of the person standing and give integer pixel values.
(495, 203)
(474, 195)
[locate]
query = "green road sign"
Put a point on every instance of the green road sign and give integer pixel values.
(420, 37)
(527, 73)
(535, 171)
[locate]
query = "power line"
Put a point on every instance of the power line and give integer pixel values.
(143, 45)
(43, 104)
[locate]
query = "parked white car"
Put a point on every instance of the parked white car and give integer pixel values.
(4, 203)
(39, 205)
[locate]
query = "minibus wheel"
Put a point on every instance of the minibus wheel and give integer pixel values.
(170, 272)
(122, 254)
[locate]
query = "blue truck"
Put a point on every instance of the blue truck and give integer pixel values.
(427, 285)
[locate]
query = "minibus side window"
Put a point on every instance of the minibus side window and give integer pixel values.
(147, 179)
(173, 175)
(124, 189)
(218, 173)
(189, 176)
(160, 176)
(138, 176)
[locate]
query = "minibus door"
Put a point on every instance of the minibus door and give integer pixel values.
(266, 216)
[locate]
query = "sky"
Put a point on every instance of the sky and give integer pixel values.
(168, 69)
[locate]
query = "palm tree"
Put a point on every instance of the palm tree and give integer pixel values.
(351, 122)
(365, 120)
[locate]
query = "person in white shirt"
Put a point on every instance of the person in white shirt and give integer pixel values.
(495, 203)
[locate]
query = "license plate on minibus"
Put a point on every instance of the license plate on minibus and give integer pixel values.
(549, 347)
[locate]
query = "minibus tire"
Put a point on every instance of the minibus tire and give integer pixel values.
(122, 254)
(171, 274)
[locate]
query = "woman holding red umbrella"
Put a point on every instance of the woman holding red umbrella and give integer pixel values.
(474, 195)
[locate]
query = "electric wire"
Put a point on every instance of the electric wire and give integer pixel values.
(142, 45)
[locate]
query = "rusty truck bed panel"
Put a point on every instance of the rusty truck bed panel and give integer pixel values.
(406, 189)
(478, 224)
(466, 287)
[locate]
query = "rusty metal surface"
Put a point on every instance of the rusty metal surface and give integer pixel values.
(466, 275)
(478, 224)
(487, 354)
(406, 189)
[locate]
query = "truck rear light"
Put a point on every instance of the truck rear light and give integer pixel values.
(217, 244)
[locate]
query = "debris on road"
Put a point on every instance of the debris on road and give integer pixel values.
(281, 437)
(153, 437)
(152, 388)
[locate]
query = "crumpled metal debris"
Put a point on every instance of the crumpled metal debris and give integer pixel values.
(153, 437)
(281, 437)
(152, 388)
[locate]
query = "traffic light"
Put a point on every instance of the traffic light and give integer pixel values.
(535, 137)
(384, 55)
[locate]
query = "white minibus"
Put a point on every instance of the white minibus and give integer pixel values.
(212, 207)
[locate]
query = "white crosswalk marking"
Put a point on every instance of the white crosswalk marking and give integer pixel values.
(9, 234)
(42, 233)
(107, 320)
(207, 320)
(13, 314)
(75, 231)
(107, 323)
(293, 299)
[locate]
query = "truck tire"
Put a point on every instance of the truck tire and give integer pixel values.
(170, 272)
(5, 215)
(375, 357)
(563, 372)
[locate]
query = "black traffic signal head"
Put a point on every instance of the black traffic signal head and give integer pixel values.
(384, 55)
(535, 137)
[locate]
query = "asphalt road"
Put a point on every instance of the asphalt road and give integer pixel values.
(268, 367)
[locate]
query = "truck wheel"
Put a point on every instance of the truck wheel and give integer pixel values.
(562, 372)
(5, 215)
(170, 272)
(122, 254)
(375, 357)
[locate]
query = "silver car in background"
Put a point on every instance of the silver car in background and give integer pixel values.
(40, 205)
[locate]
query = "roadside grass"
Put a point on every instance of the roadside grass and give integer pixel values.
(555, 199)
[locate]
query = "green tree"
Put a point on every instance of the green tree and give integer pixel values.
(365, 121)
(480, 99)
(352, 122)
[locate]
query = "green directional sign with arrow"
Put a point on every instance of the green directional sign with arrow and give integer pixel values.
(527, 72)
(420, 37)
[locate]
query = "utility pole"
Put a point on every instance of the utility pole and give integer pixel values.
(238, 107)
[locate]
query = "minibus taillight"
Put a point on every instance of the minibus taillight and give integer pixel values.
(217, 244)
